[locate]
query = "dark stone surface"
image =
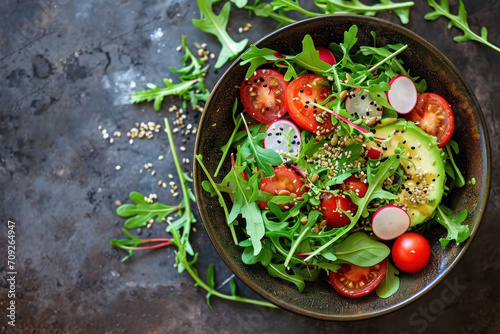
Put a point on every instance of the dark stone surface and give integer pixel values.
(67, 67)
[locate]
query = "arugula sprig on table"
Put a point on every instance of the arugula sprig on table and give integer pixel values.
(216, 24)
(442, 9)
(180, 229)
(191, 88)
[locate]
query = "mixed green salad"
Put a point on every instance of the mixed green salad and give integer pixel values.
(339, 162)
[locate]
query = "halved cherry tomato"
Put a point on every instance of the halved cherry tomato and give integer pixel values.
(355, 281)
(285, 179)
(411, 252)
(263, 95)
(299, 95)
(329, 207)
(433, 114)
(356, 185)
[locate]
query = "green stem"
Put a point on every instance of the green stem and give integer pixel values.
(281, 18)
(200, 282)
(229, 142)
(188, 213)
(221, 199)
(387, 58)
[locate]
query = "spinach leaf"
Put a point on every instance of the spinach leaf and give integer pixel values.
(361, 250)
(390, 283)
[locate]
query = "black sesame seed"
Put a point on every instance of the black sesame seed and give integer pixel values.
(269, 134)
(306, 106)
(295, 137)
(413, 147)
(281, 129)
(293, 142)
(363, 97)
(255, 80)
(279, 141)
(264, 85)
(301, 91)
(262, 79)
(372, 102)
(404, 142)
(307, 102)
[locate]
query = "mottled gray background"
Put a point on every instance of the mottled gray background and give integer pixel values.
(67, 67)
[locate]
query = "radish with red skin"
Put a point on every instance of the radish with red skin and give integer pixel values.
(326, 55)
(283, 136)
(389, 222)
(403, 94)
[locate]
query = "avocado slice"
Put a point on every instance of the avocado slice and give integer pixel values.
(423, 188)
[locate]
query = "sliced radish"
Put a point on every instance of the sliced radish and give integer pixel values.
(403, 94)
(389, 222)
(283, 136)
(326, 55)
(360, 104)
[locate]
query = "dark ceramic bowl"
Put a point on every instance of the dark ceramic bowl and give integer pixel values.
(319, 300)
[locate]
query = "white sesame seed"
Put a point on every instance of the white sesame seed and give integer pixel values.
(118, 167)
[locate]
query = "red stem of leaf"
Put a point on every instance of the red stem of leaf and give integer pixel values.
(163, 244)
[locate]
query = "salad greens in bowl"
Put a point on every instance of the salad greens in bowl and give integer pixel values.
(342, 167)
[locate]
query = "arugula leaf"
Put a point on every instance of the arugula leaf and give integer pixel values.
(361, 250)
(157, 94)
(452, 223)
(401, 9)
(142, 212)
(245, 194)
(305, 230)
(279, 271)
(459, 21)
(216, 25)
(292, 5)
(308, 59)
(390, 283)
(264, 158)
(210, 282)
(267, 10)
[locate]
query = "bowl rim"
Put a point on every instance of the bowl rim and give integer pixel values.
(481, 205)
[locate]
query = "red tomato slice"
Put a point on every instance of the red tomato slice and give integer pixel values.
(330, 205)
(299, 95)
(411, 252)
(355, 281)
(433, 114)
(263, 95)
(284, 179)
